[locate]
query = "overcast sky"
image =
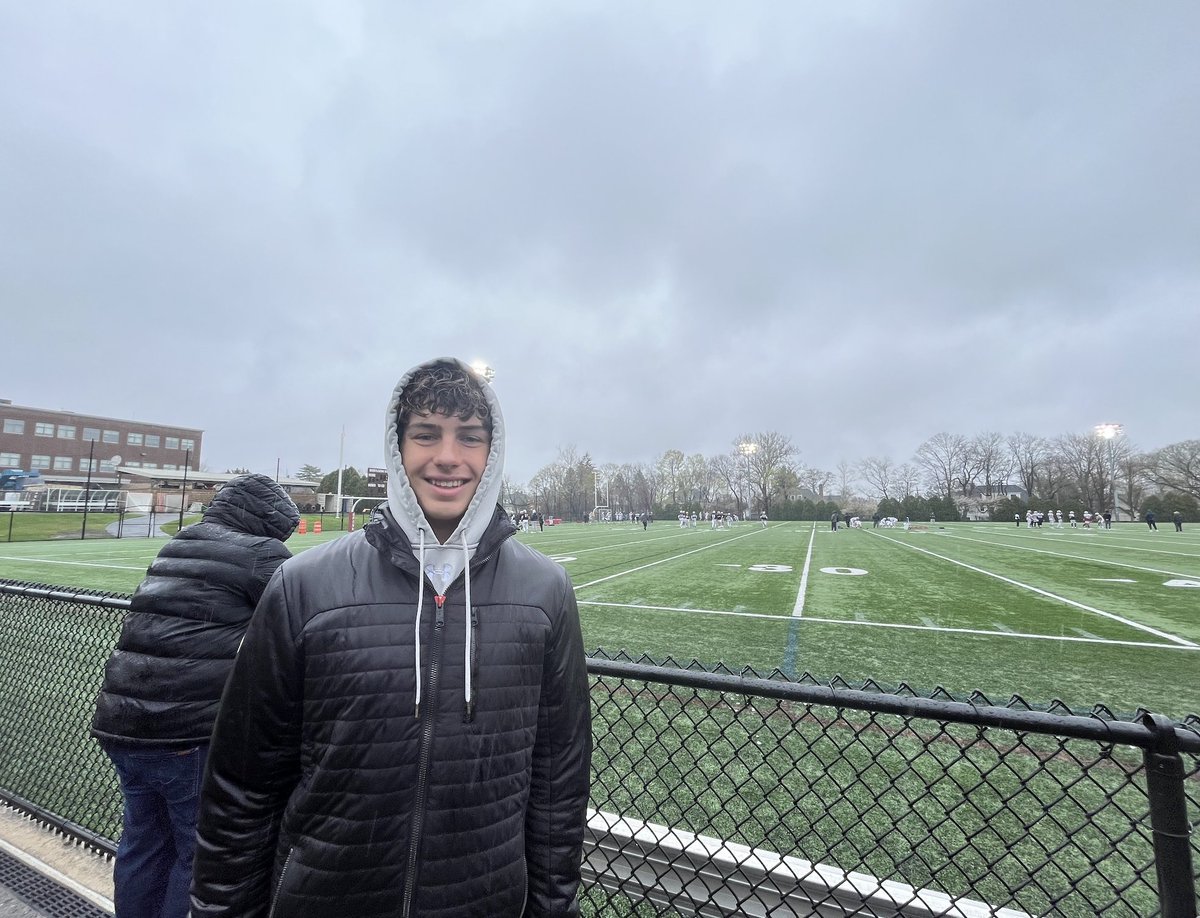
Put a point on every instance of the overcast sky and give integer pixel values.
(664, 224)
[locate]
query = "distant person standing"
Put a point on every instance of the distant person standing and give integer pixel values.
(1177, 519)
(833, 521)
(1150, 520)
(763, 519)
(163, 683)
(1108, 519)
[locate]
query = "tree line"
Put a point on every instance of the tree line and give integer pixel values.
(948, 476)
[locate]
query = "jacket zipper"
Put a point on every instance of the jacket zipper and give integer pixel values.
(279, 884)
(428, 717)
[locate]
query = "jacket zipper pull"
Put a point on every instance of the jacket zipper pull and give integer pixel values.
(440, 602)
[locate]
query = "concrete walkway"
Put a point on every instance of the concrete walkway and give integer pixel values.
(137, 527)
(68, 864)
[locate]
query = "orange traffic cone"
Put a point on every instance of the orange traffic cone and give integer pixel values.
(316, 526)
(303, 526)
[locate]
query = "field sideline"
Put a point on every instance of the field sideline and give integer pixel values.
(1085, 616)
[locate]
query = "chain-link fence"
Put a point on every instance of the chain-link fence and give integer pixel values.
(720, 793)
(123, 523)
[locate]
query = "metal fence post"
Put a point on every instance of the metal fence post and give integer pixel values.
(1169, 820)
(11, 515)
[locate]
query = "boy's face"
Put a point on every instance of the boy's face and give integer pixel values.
(444, 458)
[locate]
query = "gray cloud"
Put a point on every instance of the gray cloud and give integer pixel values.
(856, 224)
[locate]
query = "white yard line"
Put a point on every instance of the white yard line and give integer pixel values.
(798, 609)
(115, 567)
(1025, 586)
(643, 567)
(1107, 540)
(1059, 554)
(1005, 634)
(845, 621)
(627, 605)
(561, 550)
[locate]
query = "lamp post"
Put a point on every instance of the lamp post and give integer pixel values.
(748, 449)
(1109, 431)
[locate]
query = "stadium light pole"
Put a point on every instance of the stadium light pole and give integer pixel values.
(187, 461)
(1109, 431)
(748, 449)
(87, 491)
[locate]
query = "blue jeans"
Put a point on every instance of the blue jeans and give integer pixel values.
(161, 788)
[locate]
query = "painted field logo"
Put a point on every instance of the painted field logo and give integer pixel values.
(844, 571)
(771, 568)
(1194, 584)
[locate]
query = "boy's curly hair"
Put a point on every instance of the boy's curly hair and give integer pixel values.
(444, 388)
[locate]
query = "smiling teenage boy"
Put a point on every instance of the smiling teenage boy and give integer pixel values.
(407, 729)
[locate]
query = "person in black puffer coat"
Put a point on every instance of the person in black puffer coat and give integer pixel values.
(163, 683)
(407, 730)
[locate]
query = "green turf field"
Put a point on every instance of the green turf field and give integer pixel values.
(1085, 616)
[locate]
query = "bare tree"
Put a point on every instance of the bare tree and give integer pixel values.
(816, 480)
(1028, 454)
(941, 459)
(876, 473)
(907, 478)
(728, 470)
(1176, 468)
(767, 453)
(669, 466)
(846, 480)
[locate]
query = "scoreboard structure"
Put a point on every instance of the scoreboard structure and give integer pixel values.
(377, 482)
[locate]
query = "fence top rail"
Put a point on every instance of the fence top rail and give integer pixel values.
(66, 594)
(1151, 732)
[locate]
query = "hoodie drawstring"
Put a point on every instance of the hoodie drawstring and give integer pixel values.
(417, 621)
(469, 634)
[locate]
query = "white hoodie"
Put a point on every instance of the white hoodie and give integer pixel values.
(442, 563)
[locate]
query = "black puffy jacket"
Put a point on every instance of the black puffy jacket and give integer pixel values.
(163, 683)
(328, 795)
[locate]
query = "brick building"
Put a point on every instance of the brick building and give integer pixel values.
(57, 444)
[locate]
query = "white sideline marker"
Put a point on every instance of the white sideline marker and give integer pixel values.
(1046, 593)
(798, 609)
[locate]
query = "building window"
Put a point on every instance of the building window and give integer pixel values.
(133, 465)
(187, 444)
(172, 443)
(39, 462)
(91, 433)
(66, 431)
(13, 426)
(62, 463)
(168, 467)
(106, 465)
(43, 429)
(133, 439)
(112, 436)
(150, 465)
(152, 440)
(83, 465)
(10, 460)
